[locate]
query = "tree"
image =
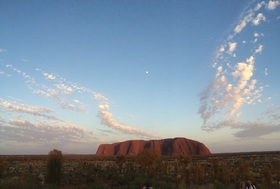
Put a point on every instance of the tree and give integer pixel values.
(54, 167)
(120, 161)
(147, 159)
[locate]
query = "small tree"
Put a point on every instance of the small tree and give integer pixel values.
(120, 161)
(54, 167)
(146, 159)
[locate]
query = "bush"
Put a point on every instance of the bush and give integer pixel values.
(54, 167)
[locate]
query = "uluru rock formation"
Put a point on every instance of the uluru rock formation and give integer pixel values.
(164, 147)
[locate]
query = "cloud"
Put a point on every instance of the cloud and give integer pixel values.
(62, 92)
(65, 89)
(28, 109)
(273, 4)
(24, 60)
(76, 101)
(28, 124)
(265, 71)
(243, 22)
(107, 118)
(229, 91)
(259, 6)
(234, 87)
(232, 47)
(249, 17)
(257, 35)
(3, 50)
(256, 129)
(259, 49)
(49, 76)
(21, 130)
(30, 81)
(249, 129)
(260, 17)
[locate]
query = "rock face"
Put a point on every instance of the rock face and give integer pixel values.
(164, 147)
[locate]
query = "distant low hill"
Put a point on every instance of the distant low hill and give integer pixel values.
(163, 147)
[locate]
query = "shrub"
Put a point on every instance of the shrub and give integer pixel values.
(54, 167)
(146, 158)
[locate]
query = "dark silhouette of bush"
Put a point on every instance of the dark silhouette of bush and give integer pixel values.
(3, 167)
(54, 167)
(146, 158)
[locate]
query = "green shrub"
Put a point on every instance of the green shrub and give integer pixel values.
(54, 167)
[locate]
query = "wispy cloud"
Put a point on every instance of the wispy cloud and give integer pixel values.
(49, 76)
(273, 4)
(3, 50)
(22, 130)
(234, 84)
(249, 17)
(28, 123)
(27, 109)
(259, 49)
(232, 47)
(257, 20)
(265, 71)
(65, 93)
(243, 23)
(250, 129)
(24, 60)
(107, 118)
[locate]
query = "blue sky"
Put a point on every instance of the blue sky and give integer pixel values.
(75, 74)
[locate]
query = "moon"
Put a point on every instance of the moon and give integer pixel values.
(147, 72)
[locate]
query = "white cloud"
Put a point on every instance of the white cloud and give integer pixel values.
(76, 101)
(21, 130)
(232, 47)
(61, 89)
(243, 72)
(259, 49)
(234, 87)
(243, 22)
(49, 76)
(222, 48)
(273, 4)
(65, 89)
(27, 109)
(260, 17)
(228, 97)
(259, 5)
(107, 118)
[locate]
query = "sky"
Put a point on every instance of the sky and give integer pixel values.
(77, 74)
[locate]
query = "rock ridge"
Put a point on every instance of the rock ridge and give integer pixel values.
(163, 147)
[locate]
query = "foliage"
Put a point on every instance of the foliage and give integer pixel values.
(244, 169)
(146, 158)
(25, 181)
(54, 167)
(3, 167)
(267, 177)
